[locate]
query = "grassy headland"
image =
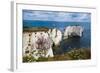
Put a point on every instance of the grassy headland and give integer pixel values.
(35, 29)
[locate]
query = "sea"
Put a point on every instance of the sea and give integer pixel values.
(66, 45)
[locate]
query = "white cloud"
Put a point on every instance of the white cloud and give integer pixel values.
(55, 16)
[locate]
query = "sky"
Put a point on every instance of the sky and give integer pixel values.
(56, 16)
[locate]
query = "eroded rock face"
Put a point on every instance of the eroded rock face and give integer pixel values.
(38, 44)
(25, 43)
(55, 35)
(73, 31)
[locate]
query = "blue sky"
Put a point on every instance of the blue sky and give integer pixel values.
(56, 16)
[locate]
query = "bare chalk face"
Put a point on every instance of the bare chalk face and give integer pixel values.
(40, 42)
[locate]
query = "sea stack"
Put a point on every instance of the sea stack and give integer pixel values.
(71, 31)
(56, 36)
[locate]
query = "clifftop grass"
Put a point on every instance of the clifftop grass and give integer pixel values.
(74, 54)
(35, 29)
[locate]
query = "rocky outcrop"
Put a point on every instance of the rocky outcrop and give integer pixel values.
(71, 31)
(38, 44)
(55, 35)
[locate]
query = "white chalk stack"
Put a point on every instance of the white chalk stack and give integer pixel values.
(73, 31)
(55, 35)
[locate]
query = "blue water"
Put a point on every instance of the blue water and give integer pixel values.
(66, 45)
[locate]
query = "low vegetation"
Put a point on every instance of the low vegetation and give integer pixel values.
(35, 29)
(74, 54)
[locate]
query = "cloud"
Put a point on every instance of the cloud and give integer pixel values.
(56, 16)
